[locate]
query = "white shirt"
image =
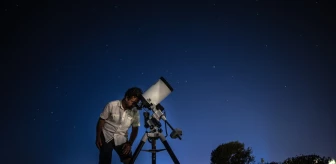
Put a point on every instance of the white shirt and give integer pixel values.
(118, 121)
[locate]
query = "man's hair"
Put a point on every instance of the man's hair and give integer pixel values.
(134, 91)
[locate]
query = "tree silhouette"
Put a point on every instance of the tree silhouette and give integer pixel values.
(303, 159)
(232, 153)
(273, 163)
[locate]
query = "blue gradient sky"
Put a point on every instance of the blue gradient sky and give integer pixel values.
(260, 72)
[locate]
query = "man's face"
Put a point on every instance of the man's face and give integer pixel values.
(130, 103)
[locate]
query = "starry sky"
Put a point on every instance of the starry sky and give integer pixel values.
(256, 71)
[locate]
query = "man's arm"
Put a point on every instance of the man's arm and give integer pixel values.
(134, 134)
(99, 127)
(135, 127)
(101, 121)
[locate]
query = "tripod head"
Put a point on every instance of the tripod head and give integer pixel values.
(151, 100)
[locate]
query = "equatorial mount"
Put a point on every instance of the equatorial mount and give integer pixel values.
(154, 124)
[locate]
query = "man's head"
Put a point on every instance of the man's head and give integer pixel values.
(131, 98)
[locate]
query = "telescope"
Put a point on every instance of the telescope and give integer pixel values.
(151, 100)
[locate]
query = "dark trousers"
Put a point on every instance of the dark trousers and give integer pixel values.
(105, 152)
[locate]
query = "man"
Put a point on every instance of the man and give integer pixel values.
(113, 124)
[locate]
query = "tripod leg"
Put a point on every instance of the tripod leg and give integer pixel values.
(154, 153)
(168, 148)
(138, 149)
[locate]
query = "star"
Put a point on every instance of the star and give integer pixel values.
(52, 112)
(213, 66)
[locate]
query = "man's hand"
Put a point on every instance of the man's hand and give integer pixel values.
(127, 148)
(98, 142)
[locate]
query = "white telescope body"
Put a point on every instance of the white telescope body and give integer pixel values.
(157, 92)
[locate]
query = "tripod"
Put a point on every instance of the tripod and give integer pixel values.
(154, 135)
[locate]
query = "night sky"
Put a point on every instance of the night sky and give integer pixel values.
(256, 71)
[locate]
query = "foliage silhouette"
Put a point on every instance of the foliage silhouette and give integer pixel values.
(232, 153)
(303, 159)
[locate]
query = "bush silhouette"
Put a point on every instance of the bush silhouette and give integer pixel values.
(303, 159)
(232, 153)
